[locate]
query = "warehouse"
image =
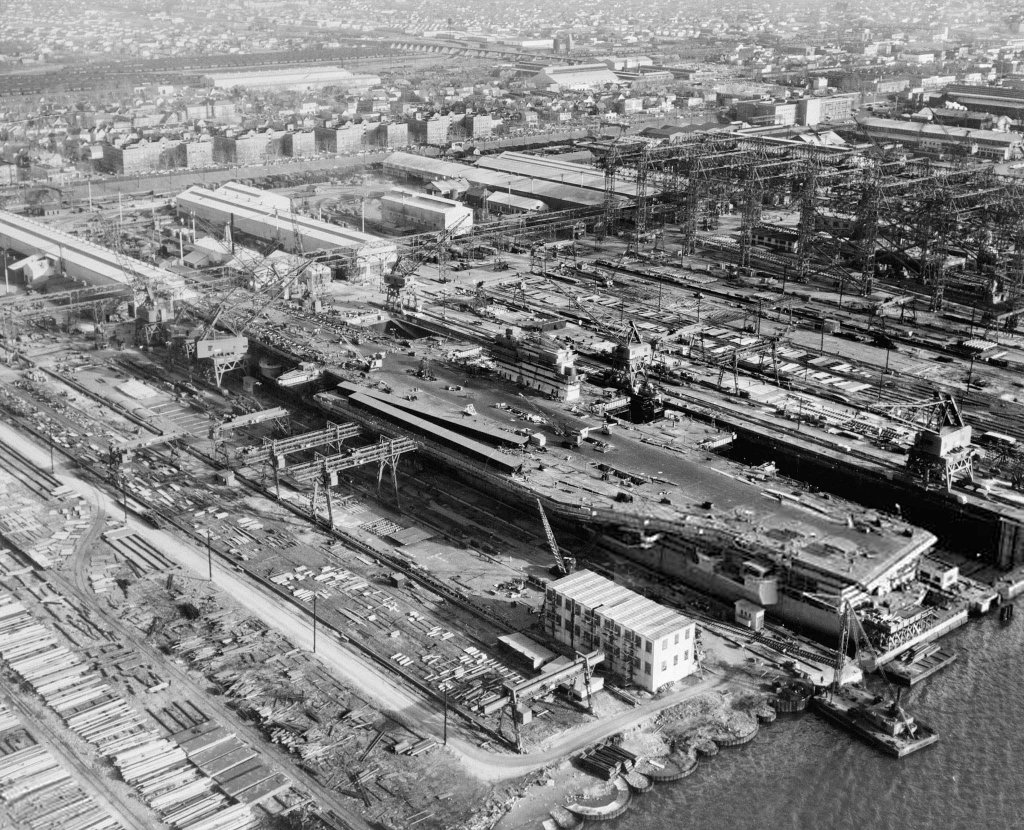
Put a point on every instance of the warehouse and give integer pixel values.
(936, 138)
(265, 216)
(424, 212)
(554, 170)
(645, 642)
(299, 77)
(555, 194)
(576, 77)
(503, 203)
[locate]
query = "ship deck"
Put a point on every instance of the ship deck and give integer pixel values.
(665, 477)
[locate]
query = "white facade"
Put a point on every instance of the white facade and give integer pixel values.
(647, 643)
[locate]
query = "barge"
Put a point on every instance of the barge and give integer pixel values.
(883, 725)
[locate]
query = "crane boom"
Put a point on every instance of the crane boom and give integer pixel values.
(565, 564)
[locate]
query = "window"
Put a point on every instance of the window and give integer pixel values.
(649, 647)
(675, 642)
(686, 654)
(664, 644)
(618, 630)
(636, 662)
(686, 634)
(647, 667)
(675, 660)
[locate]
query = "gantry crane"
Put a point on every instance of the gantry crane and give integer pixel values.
(942, 451)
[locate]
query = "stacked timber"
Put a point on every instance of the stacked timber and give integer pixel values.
(607, 761)
(158, 769)
(38, 792)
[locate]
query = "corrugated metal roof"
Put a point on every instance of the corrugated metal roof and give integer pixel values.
(83, 260)
(497, 180)
(324, 235)
(620, 605)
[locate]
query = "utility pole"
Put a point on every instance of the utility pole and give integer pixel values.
(314, 623)
(446, 716)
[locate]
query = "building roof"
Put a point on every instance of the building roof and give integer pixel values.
(279, 223)
(552, 169)
(578, 75)
(1008, 94)
(939, 132)
(81, 259)
(627, 608)
(424, 201)
(495, 180)
(517, 202)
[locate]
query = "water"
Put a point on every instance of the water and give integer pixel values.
(802, 773)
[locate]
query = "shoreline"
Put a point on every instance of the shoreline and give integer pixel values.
(686, 733)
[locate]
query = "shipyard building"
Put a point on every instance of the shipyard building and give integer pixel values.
(424, 212)
(937, 138)
(645, 642)
(558, 187)
(52, 256)
(268, 217)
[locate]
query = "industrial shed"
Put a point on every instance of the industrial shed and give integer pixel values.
(366, 256)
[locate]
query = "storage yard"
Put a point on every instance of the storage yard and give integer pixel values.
(282, 547)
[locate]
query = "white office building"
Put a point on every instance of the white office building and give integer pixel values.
(644, 642)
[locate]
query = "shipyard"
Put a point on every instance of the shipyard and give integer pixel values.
(402, 466)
